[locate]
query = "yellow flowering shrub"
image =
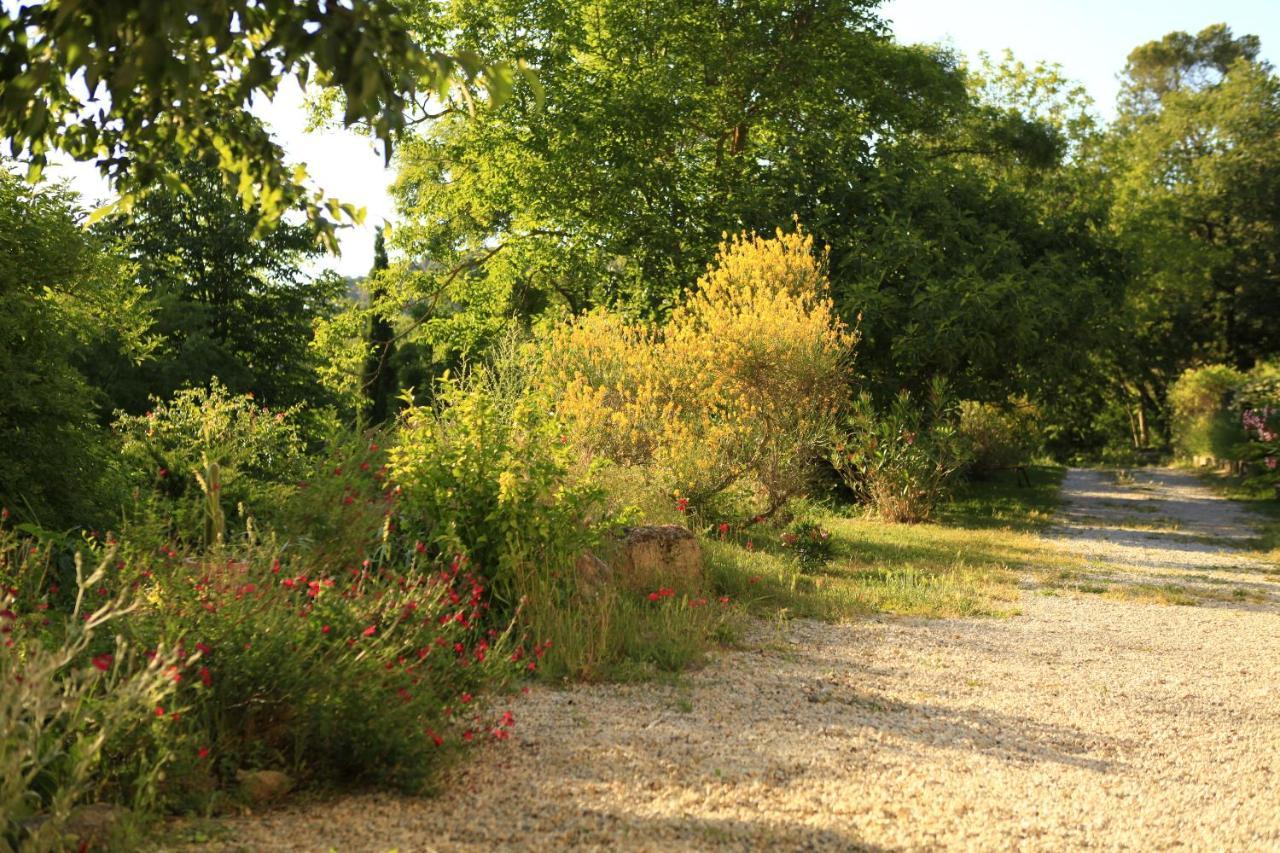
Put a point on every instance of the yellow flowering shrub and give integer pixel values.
(741, 387)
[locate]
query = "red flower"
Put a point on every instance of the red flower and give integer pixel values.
(203, 752)
(325, 629)
(501, 734)
(468, 735)
(159, 711)
(682, 504)
(102, 662)
(466, 697)
(508, 719)
(724, 599)
(369, 632)
(203, 649)
(205, 677)
(435, 738)
(653, 596)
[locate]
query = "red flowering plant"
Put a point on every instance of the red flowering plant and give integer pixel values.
(67, 691)
(354, 676)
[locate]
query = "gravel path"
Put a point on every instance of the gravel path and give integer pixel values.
(1083, 722)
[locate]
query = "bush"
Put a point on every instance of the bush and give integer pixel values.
(491, 478)
(901, 460)
(69, 693)
(1201, 421)
(996, 437)
(208, 451)
(741, 387)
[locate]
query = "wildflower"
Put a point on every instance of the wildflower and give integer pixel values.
(724, 599)
(102, 662)
(468, 735)
(653, 596)
(325, 629)
(435, 738)
(724, 529)
(159, 711)
(682, 504)
(203, 649)
(369, 632)
(205, 678)
(501, 734)
(466, 697)
(202, 752)
(508, 719)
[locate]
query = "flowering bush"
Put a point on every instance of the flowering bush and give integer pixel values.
(69, 691)
(492, 479)
(901, 460)
(742, 386)
(809, 542)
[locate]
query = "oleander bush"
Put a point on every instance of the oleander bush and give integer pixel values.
(902, 459)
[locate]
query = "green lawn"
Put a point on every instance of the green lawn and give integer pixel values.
(965, 563)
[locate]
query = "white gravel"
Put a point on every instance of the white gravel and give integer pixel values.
(1082, 722)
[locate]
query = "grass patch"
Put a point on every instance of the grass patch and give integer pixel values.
(966, 564)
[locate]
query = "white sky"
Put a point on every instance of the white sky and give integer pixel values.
(1089, 38)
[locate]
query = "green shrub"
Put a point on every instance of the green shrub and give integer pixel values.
(70, 692)
(1201, 421)
(997, 437)
(491, 478)
(208, 456)
(901, 460)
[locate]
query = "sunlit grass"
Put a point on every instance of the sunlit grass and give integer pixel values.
(967, 563)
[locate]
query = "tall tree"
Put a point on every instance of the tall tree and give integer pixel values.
(378, 380)
(231, 301)
(59, 291)
(668, 123)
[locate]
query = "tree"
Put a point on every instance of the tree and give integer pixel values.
(59, 289)
(232, 302)
(1196, 158)
(666, 125)
(128, 85)
(378, 381)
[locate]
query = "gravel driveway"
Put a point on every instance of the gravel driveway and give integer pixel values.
(1086, 721)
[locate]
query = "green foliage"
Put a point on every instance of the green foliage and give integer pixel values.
(998, 437)
(491, 475)
(229, 298)
(59, 291)
(69, 694)
(165, 79)
(207, 453)
(901, 459)
(1202, 422)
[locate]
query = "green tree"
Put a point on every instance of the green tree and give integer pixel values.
(665, 125)
(128, 85)
(378, 380)
(1196, 162)
(232, 301)
(59, 290)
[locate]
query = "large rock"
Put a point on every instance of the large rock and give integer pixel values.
(261, 787)
(661, 555)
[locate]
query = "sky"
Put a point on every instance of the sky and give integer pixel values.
(1088, 38)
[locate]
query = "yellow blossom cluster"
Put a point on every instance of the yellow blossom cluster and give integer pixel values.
(743, 384)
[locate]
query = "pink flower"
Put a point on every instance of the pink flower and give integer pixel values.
(369, 632)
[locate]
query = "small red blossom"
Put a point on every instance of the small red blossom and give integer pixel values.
(466, 697)
(159, 711)
(102, 662)
(202, 752)
(205, 678)
(203, 649)
(370, 631)
(468, 735)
